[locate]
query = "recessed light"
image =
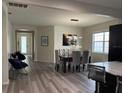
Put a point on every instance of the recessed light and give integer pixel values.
(74, 19)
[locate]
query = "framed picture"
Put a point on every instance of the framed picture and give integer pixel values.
(70, 39)
(44, 40)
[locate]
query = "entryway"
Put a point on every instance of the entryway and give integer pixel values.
(25, 42)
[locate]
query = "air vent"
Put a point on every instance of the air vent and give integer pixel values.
(18, 5)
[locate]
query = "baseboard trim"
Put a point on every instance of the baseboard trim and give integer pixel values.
(43, 61)
(5, 83)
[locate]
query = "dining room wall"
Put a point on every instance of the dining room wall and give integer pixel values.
(10, 37)
(4, 47)
(45, 53)
(87, 39)
(55, 39)
(41, 53)
(55, 33)
(58, 36)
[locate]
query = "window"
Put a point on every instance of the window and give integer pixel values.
(23, 44)
(100, 42)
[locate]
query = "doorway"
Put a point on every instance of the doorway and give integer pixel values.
(25, 42)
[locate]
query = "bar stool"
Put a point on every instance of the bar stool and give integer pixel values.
(119, 84)
(98, 74)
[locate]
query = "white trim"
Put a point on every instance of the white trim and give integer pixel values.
(103, 41)
(44, 61)
(101, 53)
(5, 83)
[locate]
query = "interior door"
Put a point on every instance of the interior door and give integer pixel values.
(24, 43)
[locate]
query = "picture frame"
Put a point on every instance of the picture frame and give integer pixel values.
(70, 39)
(44, 40)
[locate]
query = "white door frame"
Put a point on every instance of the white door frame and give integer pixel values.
(32, 32)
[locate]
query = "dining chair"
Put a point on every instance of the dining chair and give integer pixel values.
(17, 67)
(58, 61)
(75, 64)
(63, 52)
(98, 74)
(85, 58)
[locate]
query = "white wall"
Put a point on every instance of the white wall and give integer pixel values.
(45, 53)
(54, 33)
(42, 54)
(60, 30)
(88, 38)
(58, 37)
(5, 79)
(29, 28)
(10, 38)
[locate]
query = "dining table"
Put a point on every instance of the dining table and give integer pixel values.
(69, 59)
(113, 69)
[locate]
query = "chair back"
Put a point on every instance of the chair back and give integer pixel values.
(61, 52)
(85, 57)
(96, 73)
(76, 57)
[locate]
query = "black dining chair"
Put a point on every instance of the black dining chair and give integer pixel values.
(98, 74)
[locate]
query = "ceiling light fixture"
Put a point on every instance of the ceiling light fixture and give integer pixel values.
(74, 19)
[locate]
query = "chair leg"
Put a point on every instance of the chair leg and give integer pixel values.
(73, 68)
(76, 68)
(83, 67)
(69, 67)
(57, 67)
(79, 68)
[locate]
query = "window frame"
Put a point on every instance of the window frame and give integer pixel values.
(103, 48)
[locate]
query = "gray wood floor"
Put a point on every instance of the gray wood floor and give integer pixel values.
(42, 78)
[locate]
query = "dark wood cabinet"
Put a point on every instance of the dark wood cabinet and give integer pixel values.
(115, 43)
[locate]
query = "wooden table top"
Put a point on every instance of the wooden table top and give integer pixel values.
(113, 67)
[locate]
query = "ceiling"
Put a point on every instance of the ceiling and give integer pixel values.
(116, 4)
(38, 16)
